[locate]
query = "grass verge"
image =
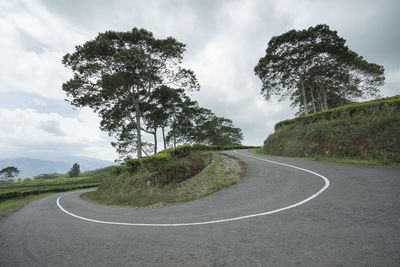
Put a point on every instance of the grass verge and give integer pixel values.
(138, 192)
(15, 204)
(365, 162)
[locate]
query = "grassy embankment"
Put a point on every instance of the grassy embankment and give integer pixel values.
(362, 133)
(16, 195)
(222, 173)
(157, 180)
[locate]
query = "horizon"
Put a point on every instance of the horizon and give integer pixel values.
(224, 41)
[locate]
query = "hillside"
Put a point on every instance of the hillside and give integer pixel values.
(30, 167)
(365, 131)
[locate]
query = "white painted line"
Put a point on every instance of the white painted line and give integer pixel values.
(215, 221)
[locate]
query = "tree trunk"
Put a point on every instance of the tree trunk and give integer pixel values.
(163, 136)
(324, 94)
(138, 129)
(326, 100)
(155, 140)
(174, 141)
(304, 97)
(312, 99)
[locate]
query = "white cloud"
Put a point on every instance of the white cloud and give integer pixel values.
(224, 41)
(26, 128)
(26, 70)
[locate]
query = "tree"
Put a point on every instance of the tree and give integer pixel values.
(199, 125)
(8, 173)
(220, 132)
(315, 64)
(116, 73)
(74, 171)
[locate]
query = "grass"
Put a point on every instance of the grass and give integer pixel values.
(365, 162)
(60, 184)
(15, 204)
(362, 138)
(16, 195)
(137, 190)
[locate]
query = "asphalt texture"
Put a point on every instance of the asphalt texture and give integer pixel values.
(354, 222)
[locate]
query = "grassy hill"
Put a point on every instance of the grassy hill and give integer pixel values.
(163, 177)
(362, 131)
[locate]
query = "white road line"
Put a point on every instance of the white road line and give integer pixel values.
(215, 221)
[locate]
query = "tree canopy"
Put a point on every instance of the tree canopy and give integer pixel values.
(116, 73)
(313, 66)
(75, 171)
(8, 173)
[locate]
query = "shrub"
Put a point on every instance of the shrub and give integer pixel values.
(168, 150)
(200, 147)
(132, 165)
(182, 151)
(155, 161)
(390, 104)
(117, 170)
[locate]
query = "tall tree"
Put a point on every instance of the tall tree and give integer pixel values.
(314, 64)
(75, 170)
(158, 112)
(116, 73)
(8, 173)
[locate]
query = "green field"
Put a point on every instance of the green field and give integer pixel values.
(60, 184)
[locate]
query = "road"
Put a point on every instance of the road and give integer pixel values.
(353, 222)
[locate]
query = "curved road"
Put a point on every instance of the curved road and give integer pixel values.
(354, 222)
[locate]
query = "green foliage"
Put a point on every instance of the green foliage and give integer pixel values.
(156, 161)
(47, 176)
(182, 151)
(75, 171)
(117, 170)
(144, 184)
(8, 173)
(168, 150)
(115, 75)
(61, 184)
(315, 64)
(364, 131)
(132, 165)
(391, 104)
(200, 147)
(140, 189)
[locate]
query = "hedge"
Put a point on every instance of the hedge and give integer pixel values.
(390, 104)
(155, 161)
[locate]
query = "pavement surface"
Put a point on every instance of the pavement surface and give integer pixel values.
(354, 222)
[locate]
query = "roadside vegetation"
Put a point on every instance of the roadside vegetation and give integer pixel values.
(14, 204)
(162, 178)
(14, 196)
(150, 180)
(362, 133)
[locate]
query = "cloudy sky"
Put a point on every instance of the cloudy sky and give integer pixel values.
(224, 40)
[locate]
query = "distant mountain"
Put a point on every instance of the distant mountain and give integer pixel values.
(29, 167)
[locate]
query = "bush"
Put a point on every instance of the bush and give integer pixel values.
(117, 170)
(155, 161)
(168, 151)
(182, 151)
(200, 147)
(132, 165)
(390, 104)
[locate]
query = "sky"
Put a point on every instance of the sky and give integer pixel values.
(224, 41)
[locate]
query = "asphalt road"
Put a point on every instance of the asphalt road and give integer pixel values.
(354, 222)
